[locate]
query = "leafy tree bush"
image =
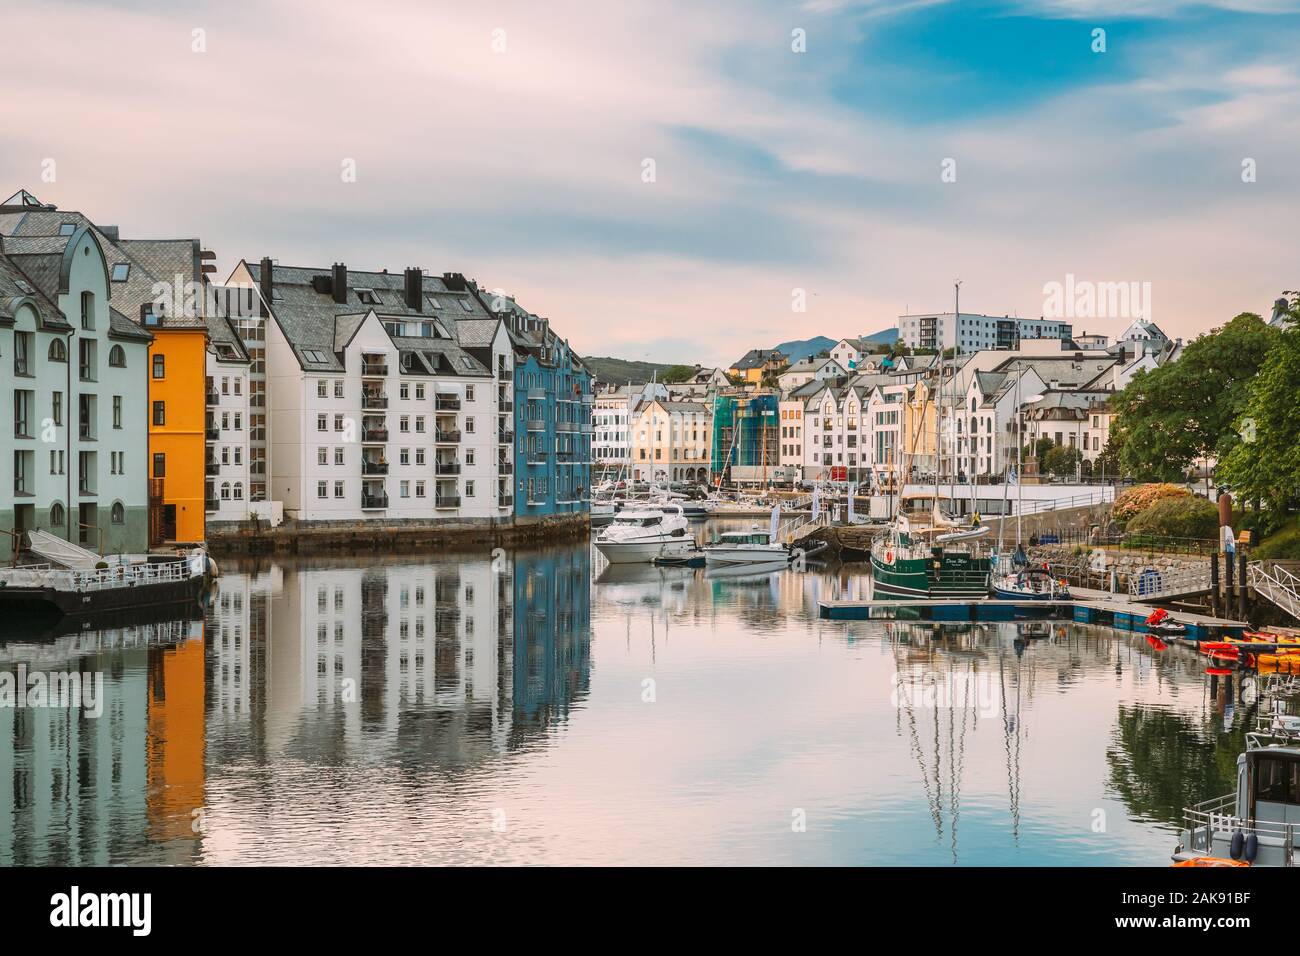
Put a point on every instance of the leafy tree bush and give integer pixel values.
(1183, 516)
(1141, 497)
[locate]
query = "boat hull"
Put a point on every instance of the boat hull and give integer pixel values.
(37, 600)
(640, 552)
(959, 576)
(716, 555)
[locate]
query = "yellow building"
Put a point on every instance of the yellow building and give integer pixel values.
(758, 365)
(177, 419)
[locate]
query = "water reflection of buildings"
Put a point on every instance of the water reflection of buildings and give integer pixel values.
(446, 660)
(84, 790)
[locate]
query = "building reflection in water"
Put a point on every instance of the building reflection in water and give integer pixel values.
(442, 662)
(90, 790)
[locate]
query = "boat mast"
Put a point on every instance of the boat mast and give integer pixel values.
(1020, 441)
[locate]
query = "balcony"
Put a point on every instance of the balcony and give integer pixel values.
(369, 467)
(447, 403)
(588, 398)
(505, 375)
(374, 369)
(447, 468)
(505, 467)
(212, 433)
(505, 405)
(446, 501)
(505, 501)
(373, 502)
(505, 436)
(212, 468)
(447, 436)
(373, 400)
(536, 425)
(537, 456)
(588, 428)
(374, 436)
(536, 394)
(211, 504)
(214, 398)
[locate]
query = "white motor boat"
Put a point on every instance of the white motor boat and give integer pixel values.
(602, 513)
(643, 534)
(746, 547)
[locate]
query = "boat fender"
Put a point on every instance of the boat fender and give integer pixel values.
(1252, 847)
(889, 557)
(1237, 846)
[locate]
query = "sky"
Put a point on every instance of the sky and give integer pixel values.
(679, 182)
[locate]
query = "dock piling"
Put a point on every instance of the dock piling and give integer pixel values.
(1215, 604)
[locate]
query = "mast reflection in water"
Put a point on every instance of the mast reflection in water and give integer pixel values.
(539, 706)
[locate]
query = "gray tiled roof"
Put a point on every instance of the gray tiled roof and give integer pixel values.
(12, 282)
(308, 318)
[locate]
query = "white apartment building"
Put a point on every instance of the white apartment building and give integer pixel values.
(855, 356)
(377, 409)
(229, 426)
(983, 435)
(971, 332)
(611, 445)
(835, 431)
(672, 441)
(808, 370)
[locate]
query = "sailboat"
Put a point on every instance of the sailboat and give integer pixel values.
(927, 553)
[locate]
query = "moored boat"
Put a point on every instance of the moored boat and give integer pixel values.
(925, 555)
(1259, 823)
(746, 547)
(1030, 584)
(74, 580)
(641, 535)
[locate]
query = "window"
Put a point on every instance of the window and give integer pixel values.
(322, 456)
(159, 465)
(239, 491)
(120, 271)
(469, 393)
(404, 456)
(117, 357)
(87, 310)
(322, 390)
(419, 493)
(160, 413)
(419, 456)
(322, 489)
(58, 350)
(405, 489)
(368, 297)
(117, 411)
(338, 388)
(419, 423)
(67, 228)
(404, 391)
(419, 391)
(469, 489)
(322, 423)
(338, 489)
(86, 351)
(404, 423)
(22, 350)
(338, 456)
(56, 407)
(118, 513)
(338, 423)
(469, 424)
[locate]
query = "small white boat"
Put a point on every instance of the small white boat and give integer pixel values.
(641, 535)
(1030, 584)
(602, 513)
(746, 547)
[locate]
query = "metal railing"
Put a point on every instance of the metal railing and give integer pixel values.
(447, 435)
(1278, 584)
(1150, 585)
(1218, 815)
(131, 575)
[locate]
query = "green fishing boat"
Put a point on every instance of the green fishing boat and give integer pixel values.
(925, 556)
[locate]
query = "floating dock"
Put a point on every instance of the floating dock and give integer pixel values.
(1084, 606)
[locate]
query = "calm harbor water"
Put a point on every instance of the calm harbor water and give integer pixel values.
(541, 707)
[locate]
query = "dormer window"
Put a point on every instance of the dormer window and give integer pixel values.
(368, 297)
(434, 302)
(67, 228)
(120, 271)
(464, 304)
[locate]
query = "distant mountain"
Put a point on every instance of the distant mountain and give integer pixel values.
(886, 336)
(801, 349)
(615, 371)
(804, 348)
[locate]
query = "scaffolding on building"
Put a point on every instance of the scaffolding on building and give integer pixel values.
(746, 436)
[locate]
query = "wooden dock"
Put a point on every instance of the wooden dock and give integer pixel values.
(1084, 606)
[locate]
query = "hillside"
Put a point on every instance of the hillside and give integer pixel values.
(803, 348)
(615, 371)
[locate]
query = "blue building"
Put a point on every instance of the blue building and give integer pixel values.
(553, 400)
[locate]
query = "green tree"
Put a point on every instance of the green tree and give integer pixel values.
(1060, 460)
(675, 374)
(1185, 410)
(1263, 464)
